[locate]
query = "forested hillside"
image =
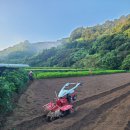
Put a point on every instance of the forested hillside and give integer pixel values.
(102, 46)
(20, 52)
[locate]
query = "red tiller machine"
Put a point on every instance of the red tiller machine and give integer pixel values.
(63, 105)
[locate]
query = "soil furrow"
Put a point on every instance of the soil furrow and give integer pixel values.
(127, 126)
(40, 120)
(94, 114)
(95, 97)
(29, 124)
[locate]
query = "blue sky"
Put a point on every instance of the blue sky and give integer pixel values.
(50, 20)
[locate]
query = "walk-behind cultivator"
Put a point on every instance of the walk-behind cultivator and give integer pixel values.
(63, 104)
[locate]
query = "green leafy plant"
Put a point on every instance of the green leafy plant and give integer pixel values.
(12, 81)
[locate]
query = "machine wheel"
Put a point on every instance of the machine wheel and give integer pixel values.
(64, 113)
(50, 119)
(50, 116)
(68, 112)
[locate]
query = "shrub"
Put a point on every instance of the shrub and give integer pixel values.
(12, 81)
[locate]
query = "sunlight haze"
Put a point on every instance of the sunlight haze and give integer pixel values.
(51, 20)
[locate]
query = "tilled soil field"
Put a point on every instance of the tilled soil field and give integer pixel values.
(103, 104)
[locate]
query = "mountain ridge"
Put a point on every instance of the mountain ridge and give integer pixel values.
(101, 46)
(25, 47)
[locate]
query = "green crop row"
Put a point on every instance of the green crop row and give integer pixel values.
(54, 70)
(40, 75)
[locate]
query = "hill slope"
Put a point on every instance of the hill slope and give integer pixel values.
(19, 52)
(101, 46)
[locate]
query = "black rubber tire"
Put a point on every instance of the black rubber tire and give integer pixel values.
(49, 119)
(64, 113)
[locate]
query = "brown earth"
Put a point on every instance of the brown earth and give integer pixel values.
(103, 104)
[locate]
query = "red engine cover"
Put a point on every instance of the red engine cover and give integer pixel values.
(66, 107)
(61, 102)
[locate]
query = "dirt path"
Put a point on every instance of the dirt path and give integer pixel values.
(103, 103)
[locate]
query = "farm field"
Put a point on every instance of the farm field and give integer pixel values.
(103, 103)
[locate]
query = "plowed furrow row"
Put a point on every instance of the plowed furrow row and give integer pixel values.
(94, 114)
(95, 97)
(127, 126)
(87, 119)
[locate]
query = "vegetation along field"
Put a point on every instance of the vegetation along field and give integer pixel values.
(12, 83)
(44, 72)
